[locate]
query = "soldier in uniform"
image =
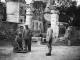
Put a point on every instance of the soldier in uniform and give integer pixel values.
(49, 39)
(27, 38)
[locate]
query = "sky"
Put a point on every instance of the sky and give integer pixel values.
(2, 0)
(28, 1)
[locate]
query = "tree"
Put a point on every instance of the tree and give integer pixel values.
(39, 7)
(67, 11)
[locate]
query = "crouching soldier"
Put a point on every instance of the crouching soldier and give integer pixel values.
(19, 38)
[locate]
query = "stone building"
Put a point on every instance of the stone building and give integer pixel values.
(16, 11)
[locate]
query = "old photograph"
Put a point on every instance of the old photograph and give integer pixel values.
(39, 30)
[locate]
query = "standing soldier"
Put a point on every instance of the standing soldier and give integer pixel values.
(27, 38)
(49, 39)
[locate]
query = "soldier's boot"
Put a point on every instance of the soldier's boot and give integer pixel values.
(29, 48)
(49, 53)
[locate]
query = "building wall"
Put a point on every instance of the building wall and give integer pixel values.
(12, 11)
(22, 12)
(28, 14)
(15, 12)
(37, 25)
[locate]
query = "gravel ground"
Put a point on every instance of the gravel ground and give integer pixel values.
(38, 53)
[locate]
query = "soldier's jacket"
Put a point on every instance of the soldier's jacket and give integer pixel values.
(19, 32)
(49, 34)
(19, 35)
(27, 34)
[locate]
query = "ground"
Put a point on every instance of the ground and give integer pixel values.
(38, 53)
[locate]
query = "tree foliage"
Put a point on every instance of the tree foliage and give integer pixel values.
(39, 7)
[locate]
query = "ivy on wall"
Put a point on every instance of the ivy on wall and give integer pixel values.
(7, 31)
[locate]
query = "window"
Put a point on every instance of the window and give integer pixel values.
(21, 21)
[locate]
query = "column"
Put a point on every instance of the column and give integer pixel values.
(54, 23)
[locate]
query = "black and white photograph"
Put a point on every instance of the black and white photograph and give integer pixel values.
(39, 30)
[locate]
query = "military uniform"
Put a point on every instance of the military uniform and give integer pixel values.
(49, 38)
(27, 38)
(19, 38)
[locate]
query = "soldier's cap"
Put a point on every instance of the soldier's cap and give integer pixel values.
(21, 26)
(49, 24)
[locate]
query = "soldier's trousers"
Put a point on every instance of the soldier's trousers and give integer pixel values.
(28, 44)
(50, 45)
